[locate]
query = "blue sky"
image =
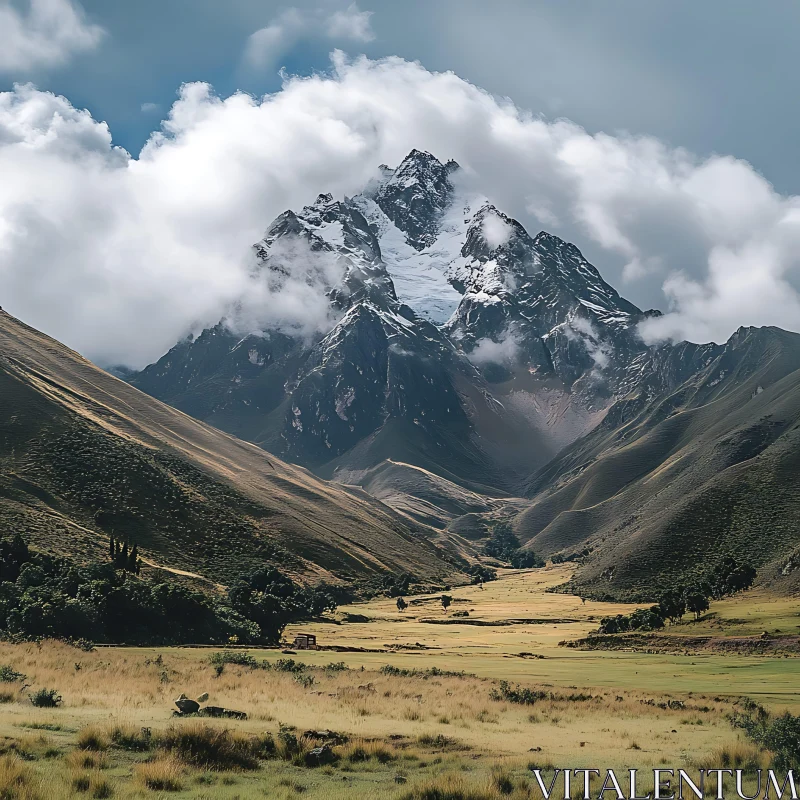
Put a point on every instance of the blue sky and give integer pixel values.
(659, 136)
(717, 76)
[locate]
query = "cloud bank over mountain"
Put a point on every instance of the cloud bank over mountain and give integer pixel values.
(120, 256)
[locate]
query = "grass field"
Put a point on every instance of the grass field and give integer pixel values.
(405, 734)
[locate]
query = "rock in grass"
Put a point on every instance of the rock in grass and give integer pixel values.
(320, 756)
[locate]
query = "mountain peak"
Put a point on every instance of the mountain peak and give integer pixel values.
(420, 157)
(416, 195)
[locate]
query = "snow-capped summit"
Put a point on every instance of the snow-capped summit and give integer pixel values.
(456, 342)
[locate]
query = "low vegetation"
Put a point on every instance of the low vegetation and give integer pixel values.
(45, 596)
(723, 580)
(778, 734)
(438, 711)
(505, 546)
(356, 733)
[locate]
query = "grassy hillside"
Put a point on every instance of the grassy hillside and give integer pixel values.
(83, 454)
(660, 490)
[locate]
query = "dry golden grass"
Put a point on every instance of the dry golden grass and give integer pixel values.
(401, 733)
(738, 755)
(17, 780)
(93, 737)
(91, 784)
(161, 775)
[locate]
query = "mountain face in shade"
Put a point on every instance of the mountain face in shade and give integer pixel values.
(455, 341)
(466, 370)
(668, 483)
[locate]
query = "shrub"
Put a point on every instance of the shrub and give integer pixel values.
(481, 574)
(128, 738)
(288, 665)
(9, 675)
(161, 775)
(780, 735)
(45, 698)
(92, 738)
(432, 672)
(239, 658)
(517, 694)
(212, 748)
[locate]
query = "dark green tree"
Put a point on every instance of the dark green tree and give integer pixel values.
(672, 606)
(696, 602)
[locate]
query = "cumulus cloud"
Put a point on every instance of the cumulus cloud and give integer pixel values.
(45, 34)
(120, 256)
(288, 292)
(268, 44)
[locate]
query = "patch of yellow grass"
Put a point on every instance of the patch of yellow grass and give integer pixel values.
(17, 781)
(161, 775)
(85, 759)
(94, 738)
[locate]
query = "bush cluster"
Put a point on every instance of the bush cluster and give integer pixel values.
(504, 546)
(46, 596)
(725, 578)
(778, 734)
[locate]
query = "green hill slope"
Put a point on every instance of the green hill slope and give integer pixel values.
(659, 490)
(83, 454)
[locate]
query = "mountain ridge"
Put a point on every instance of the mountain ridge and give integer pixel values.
(465, 357)
(85, 455)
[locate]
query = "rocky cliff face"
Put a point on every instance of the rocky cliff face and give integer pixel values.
(455, 340)
(461, 360)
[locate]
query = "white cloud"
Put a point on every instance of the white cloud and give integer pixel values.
(351, 24)
(580, 328)
(267, 45)
(47, 33)
(119, 256)
(487, 351)
(496, 230)
(289, 293)
(150, 108)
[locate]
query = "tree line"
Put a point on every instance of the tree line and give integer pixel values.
(726, 578)
(42, 595)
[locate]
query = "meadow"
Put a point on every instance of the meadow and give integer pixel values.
(410, 704)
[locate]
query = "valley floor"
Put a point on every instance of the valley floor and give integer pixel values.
(409, 729)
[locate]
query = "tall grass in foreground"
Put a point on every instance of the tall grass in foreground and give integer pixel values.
(161, 775)
(17, 781)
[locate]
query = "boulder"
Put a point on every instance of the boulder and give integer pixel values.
(320, 756)
(187, 706)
